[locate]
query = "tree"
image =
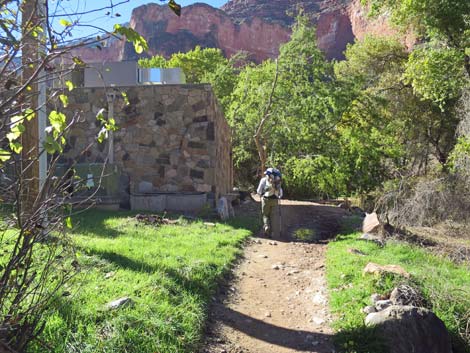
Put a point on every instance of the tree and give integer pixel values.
(441, 20)
(206, 65)
(37, 255)
(284, 109)
(375, 70)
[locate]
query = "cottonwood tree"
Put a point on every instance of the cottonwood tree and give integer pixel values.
(207, 65)
(37, 257)
(284, 112)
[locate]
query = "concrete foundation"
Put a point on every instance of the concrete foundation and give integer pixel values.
(159, 202)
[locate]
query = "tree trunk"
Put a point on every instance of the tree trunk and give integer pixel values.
(258, 136)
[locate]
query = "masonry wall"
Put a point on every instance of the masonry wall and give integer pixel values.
(174, 137)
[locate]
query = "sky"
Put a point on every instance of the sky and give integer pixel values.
(99, 18)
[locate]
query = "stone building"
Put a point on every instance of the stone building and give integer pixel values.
(172, 149)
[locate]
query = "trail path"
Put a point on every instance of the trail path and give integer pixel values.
(277, 301)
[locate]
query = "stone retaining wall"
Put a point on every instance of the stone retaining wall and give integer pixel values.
(172, 138)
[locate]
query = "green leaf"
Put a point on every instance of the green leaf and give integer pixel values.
(16, 119)
(57, 120)
(176, 8)
(11, 136)
(51, 145)
(68, 222)
(78, 61)
(4, 155)
(102, 135)
(29, 114)
(65, 23)
(16, 147)
(140, 44)
(64, 99)
(100, 115)
(124, 96)
(69, 85)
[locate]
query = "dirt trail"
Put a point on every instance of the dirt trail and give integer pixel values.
(277, 301)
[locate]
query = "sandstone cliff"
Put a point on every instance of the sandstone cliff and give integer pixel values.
(255, 26)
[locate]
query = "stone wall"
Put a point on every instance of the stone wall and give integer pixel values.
(171, 138)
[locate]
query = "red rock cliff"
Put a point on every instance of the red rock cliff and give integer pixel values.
(256, 26)
(201, 24)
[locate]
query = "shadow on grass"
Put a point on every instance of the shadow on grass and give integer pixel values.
(93, 223)
(199, 283)
(361, 339)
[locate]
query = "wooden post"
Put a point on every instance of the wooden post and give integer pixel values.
(30, 138)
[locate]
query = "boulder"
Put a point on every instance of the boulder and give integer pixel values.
(374, 268)
(408, 329)
(406, 295)
(371, 223)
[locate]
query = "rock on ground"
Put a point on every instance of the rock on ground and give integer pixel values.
(408, 329)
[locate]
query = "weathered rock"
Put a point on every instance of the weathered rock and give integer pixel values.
(369, 309)
(374, 298)
(256, 26)
(374, 268)
(371, 223)
(382, 304)
(356, 252)
(118, 303)
(375, 238)
(408, 329)
(406, 295)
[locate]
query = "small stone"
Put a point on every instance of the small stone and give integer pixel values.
(356, 252)
(318, 320)
(276, 267)
(382, 304)
(263, 256)
(319, 299)
(121, 302)
(373, 268)
(272, 243)
(109, 274)
(268, 314)
(375, 298)
(369, 309)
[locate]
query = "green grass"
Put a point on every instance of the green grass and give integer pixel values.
(445, 286)
(170, 272)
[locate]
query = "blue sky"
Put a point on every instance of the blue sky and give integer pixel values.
(100, 19)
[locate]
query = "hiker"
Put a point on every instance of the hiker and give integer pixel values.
(270, 191)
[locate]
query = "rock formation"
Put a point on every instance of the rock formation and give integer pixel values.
(256, 26)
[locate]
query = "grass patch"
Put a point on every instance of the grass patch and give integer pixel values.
(444, 284)
(305, 235)
(170, 273)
